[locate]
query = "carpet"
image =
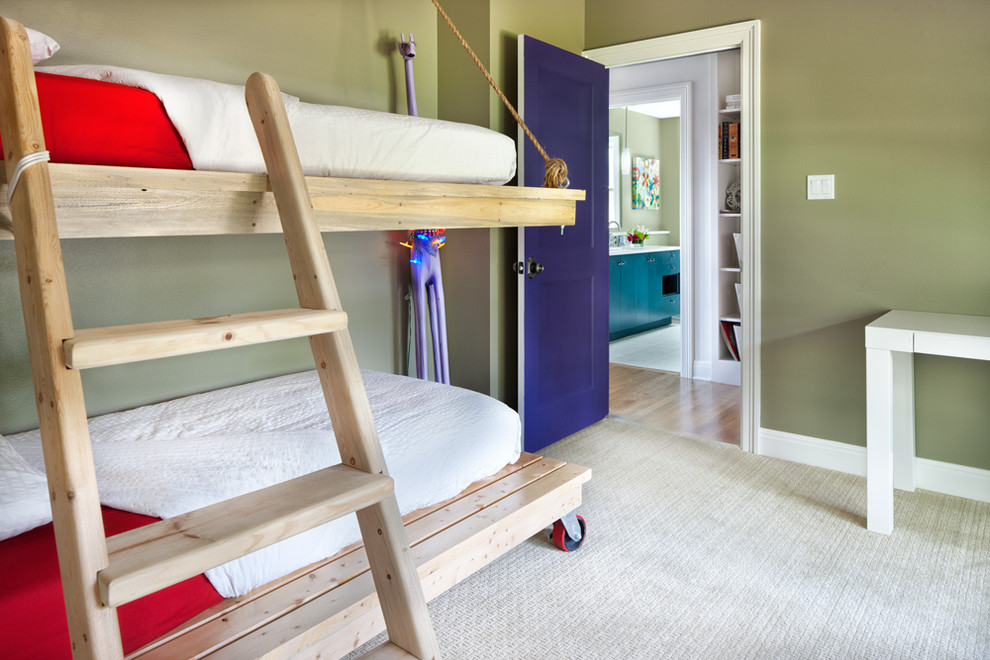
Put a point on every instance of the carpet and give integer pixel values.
(696, 549)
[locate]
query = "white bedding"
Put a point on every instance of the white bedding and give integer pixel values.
(169, 458)
(213, 121)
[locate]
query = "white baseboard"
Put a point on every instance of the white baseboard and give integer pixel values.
(949, 478)
(812, 451)
(702, 370)
(952, 479)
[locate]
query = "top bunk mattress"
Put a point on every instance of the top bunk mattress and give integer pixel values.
(92, 115)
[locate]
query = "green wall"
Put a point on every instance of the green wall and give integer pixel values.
(652, 138)
(670, 178)
(894, 99)
(641, 134)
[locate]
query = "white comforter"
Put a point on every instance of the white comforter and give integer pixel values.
(169, 458)
(213, 121)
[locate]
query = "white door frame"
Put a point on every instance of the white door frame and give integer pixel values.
(746, 37)
(677, 92)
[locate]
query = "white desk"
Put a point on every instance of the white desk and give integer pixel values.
(891, 341)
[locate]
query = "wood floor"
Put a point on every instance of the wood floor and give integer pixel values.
(664, 400)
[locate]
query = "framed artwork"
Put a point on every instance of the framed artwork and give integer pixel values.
(646, 183)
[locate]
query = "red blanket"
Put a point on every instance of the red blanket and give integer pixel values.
(99, 123)
(32, 611)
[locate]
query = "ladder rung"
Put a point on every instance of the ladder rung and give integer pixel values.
(120, 344)
(387, 651)
(150, 558)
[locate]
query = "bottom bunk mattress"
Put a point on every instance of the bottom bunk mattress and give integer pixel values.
(168, 458)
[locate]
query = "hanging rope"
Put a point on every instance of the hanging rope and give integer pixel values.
(556, 168)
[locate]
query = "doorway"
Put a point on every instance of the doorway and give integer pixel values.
(653, 123)
(745, 37)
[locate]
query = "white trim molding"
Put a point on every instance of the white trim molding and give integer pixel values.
(746, 37)
(949, 478)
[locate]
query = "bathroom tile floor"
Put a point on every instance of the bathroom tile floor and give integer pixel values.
(654, 349)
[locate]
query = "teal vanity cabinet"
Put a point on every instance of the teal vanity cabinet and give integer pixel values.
(628, 293)
(644, 290)
(665, 282)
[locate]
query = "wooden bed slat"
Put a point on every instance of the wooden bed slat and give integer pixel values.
(475, 528)
(99, 347)
(106, 201)
(443, 561)
(150, 558)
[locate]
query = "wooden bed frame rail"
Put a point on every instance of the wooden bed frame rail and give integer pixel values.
(98, 201)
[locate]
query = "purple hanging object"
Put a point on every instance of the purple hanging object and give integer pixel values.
(408, 51)
(427, 292)
(424, 265)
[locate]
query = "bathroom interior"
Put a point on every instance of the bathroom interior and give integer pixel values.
(644, 196)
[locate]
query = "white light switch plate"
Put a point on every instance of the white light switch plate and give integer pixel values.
(821, 186)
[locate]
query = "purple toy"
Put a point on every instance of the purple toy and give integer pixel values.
(408, 51)
(424, 265)
(427, 290)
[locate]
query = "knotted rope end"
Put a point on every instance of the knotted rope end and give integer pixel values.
(556, 174)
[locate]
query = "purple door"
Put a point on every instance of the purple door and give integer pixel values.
(563, 350)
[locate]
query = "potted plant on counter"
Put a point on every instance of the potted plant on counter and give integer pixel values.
(638, 236)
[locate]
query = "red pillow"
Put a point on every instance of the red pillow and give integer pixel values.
(100, 123)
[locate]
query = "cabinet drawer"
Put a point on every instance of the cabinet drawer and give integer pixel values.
(669, 260)
(670, 305)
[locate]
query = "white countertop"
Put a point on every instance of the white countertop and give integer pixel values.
(646, 248)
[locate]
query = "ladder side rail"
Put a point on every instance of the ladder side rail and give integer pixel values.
(79, 532)
(396, 580)
(314, 281)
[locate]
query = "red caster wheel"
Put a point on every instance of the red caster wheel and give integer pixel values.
(569, 541)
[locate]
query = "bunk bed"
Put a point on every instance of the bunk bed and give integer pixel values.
(324, 609)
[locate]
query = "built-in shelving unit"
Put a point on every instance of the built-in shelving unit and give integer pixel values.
(726, 365)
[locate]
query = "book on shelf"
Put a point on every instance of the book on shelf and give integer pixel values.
(738, 287)
(728, 140)
(729, 336)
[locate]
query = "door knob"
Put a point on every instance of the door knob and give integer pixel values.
(535, 268)
(531, 268)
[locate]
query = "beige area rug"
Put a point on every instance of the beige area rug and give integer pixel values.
(696, 549)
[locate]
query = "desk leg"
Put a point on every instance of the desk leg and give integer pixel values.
(903, 419)
(879, 440)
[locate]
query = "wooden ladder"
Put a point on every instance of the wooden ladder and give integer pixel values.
(99, 573)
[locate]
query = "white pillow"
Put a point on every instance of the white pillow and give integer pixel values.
(24, 502)
(42, 46)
